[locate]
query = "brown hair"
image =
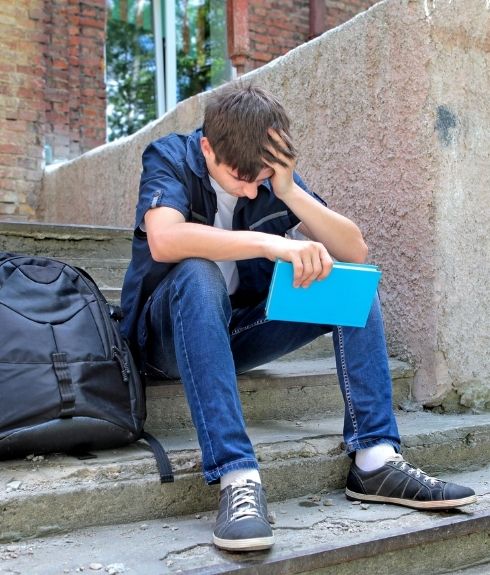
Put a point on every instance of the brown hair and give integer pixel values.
(236, 122)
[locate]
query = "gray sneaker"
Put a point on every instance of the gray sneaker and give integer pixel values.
(403, 484)
(242, 523)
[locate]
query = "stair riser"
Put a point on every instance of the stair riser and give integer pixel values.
(432, 551)
(66, 248)
(292, 469)
(106, 274)
(301, 397)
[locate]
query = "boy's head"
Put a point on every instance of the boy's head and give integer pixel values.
(236, 124)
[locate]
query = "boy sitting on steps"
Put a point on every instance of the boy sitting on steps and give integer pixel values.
(212, 217)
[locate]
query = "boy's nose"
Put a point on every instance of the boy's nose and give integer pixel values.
(250, 190)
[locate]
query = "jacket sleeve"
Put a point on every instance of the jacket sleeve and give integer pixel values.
(161, 183)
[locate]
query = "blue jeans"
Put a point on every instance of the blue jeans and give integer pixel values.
(192, 332)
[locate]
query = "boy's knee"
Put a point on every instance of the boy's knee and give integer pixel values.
(201, 270)
(201, 280)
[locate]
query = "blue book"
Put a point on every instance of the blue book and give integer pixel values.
(344, 297)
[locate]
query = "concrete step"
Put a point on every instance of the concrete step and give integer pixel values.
(288, 389)
(318, 533)
(61, 493)
(65, 241)
(103, 252)
(108, 273)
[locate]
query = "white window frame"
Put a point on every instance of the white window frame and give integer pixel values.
(166, 67)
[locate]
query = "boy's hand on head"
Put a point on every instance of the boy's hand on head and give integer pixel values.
(281, 158)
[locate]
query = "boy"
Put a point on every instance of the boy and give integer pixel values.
(213, 213)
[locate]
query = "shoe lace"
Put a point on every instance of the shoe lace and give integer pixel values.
(398, 460)
(244, 501)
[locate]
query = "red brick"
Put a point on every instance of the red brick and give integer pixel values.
(93, 23)
(6, 67)
(7, 185)
(18, 126)
(16, 149)
(27, 163)
(36, 14)
(61, 64)
(28, 115)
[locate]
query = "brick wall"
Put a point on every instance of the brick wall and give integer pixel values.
(21, 107)
(276, 27)
(261, 30)
(75, 88)
(339, 11)
(51, 91)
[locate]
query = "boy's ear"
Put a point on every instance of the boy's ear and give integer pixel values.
(206, 147)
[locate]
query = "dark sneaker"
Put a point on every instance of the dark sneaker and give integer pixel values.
(242, 523)
(403, 484)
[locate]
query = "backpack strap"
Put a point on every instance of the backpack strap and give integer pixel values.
(65, 384)
(163, 462)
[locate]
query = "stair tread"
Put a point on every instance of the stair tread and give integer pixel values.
(61, 493)
(274, 441)
(43, 230)
(288, 388)
(315, 531)
(283, 370)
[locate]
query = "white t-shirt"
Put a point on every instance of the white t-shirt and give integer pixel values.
(224, 219)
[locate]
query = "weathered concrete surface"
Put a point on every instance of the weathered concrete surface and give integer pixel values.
(61, 493)
(102, 251)
(284, 390)
(460, 104)
(392, 119)
(66, 241)
(101, 186)
(318, 529)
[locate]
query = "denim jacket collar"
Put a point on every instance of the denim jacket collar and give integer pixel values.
(194, 156)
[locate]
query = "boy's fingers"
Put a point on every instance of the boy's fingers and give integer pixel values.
(310, 263)
(317, 270)
(308, 272)
(273, 156)
(327, 263)
(281, 144)
(298, 270)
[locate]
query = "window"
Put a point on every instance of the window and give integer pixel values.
(159, 52)
(130, 67)
(202, 61)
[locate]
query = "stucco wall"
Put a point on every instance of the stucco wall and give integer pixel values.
(459, 99)
(373, 104)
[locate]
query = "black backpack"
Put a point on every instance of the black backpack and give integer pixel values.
(68, 382)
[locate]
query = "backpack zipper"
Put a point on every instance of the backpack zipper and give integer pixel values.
(118, 356)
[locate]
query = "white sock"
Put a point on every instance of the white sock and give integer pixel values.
(374, 457)
(239, 475)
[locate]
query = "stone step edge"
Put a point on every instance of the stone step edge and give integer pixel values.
(290, 388)
(43, 230)
(295, 373)
(322, 557)
(185, 543)
(273, 442)
(105, 492)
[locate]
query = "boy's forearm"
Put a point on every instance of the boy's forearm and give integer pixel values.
(182, 240)
(186, 240)
(338, 234)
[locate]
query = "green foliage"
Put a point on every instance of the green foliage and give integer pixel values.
(201, 46)
(130, 64)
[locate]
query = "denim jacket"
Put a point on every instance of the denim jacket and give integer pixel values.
(175, 175)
